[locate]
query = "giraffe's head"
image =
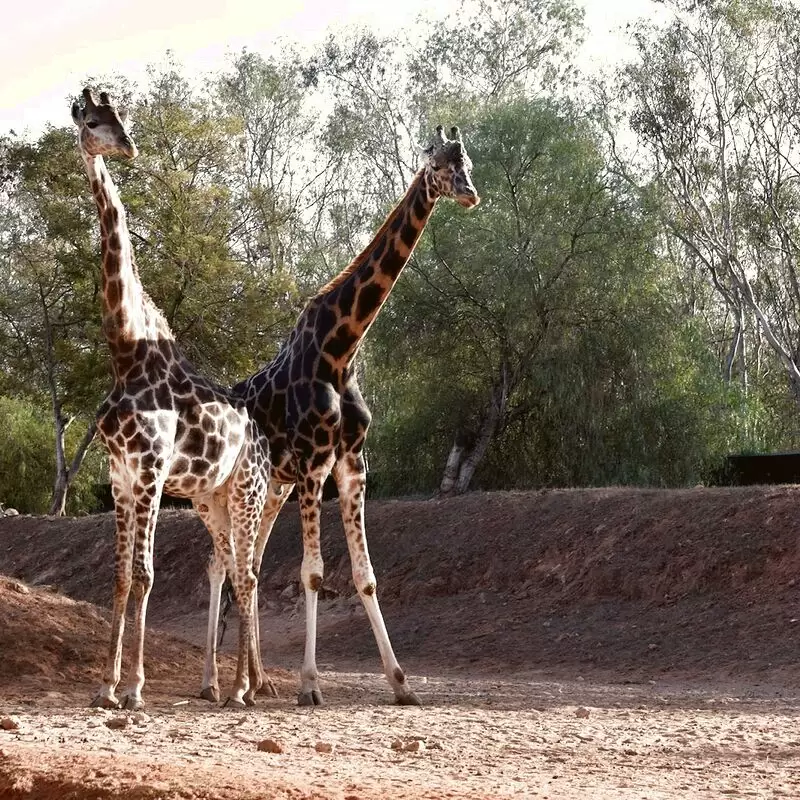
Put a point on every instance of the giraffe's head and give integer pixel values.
(101, 127)
(449, 168)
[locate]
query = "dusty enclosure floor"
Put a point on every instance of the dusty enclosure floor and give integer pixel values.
(566, 645)
(477, 739)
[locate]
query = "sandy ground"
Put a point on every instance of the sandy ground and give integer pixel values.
(489, 738)
(607, 644)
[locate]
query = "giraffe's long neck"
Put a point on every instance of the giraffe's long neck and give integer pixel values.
(129, 315)
(348, 305)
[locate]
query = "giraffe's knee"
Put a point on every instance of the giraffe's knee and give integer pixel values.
(311, 572)
(364, 580)
(312, 581)
(244, 588)
(216, 570)
(122, 583)
(142, 581)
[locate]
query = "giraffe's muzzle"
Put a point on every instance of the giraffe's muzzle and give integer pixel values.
(468, 200)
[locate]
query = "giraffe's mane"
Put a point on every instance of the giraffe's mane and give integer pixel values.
(359, 260)
(149, 306)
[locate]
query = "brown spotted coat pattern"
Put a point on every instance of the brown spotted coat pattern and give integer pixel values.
(308, 402)
(166, 428)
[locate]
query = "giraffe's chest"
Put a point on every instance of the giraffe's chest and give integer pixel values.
(195, 448)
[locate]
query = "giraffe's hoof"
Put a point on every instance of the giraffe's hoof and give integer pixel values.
(131, 703)
(233, 702)
(249, 699)
(268, 688)
(409, 699)
(312, 698)
(210, 693)
(104, 701)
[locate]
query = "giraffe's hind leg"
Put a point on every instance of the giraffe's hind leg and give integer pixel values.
(276, 498)
(247, 494)
(350, 475)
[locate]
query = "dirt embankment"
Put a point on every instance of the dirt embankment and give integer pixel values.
(626, 579)
(608, 644)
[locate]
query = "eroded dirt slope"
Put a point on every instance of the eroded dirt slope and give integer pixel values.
(610, 644)
(615, 579)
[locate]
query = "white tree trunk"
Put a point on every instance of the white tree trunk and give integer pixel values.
(64, 476)
(453, 465)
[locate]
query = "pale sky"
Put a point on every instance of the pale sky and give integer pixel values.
(50, 46)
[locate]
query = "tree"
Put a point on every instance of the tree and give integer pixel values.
(185, 197)
(714, 104)
(47, 318)
(533, 333)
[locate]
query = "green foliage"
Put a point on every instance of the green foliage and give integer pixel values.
(554, 280)
(586, 326)
(27, 461)
(26, 457)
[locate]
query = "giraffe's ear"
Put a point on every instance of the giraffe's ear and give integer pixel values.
(77, 114)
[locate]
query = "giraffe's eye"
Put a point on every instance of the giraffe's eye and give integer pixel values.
(91, 124)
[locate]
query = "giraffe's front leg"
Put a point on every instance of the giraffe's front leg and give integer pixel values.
(216, 578)
(350, 475)
(146, 511)
(309, 488)
(123, 562)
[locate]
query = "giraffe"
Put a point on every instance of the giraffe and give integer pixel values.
(166, 428)
(308, 402)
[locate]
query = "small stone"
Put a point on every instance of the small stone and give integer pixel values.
(12, 512)
(290, 592)
(324, 747)
(652, 646)
(411, 746)
(270, 746)
(582, 712)
(116, 723)
(140, 718)
(9, 724)
(20, 588)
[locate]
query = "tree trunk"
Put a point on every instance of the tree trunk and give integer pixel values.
(482, 441)
(65, 477)
(453, 465)
(466, 455)
(58, 504)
